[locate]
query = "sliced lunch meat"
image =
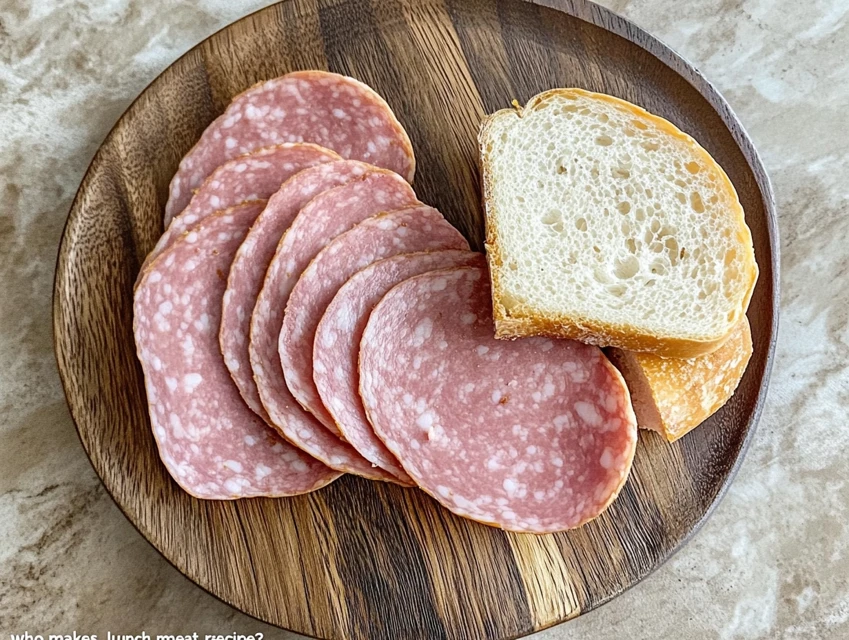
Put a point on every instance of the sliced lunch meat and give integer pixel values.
(212, 444)
(333, 111)
(416, 228)
(255, 176)
(532, 435)
(251, 262)
(336, 348)
(325, 217)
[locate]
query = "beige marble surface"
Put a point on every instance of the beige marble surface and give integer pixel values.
(773, 562)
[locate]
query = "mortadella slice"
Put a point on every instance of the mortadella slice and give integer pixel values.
(416, 228)
(325, 217)
(336, 348)
(251, 262)
(331, 110)
(212, 444)
(534, 435)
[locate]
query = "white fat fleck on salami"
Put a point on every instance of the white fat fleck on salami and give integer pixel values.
(326, 216)
(327, 109)
(212, 444)
(416, 228)
(337, 338)
(523, 445)
(247, 272)
(252, 177)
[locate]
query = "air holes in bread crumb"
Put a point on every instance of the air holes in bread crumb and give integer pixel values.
(604, 141)
(696, 202)
(601, 276)
(553, 219)
(626, 268)
(581, 224)
(671, 245)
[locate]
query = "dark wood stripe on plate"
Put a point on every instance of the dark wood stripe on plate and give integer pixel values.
(475, 578)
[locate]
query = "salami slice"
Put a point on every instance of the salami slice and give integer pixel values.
(333, 111)
(532, 435)
(336, 348)
(255, 176)
(210, 442)
(251, 262)
(325, 217)
(416, 228)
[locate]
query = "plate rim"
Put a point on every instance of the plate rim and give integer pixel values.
(592, 13)
(604, 18)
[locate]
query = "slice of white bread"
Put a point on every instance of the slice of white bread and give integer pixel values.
(674, 395)
(606, 224)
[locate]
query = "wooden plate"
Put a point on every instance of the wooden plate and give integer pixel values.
(360, 559)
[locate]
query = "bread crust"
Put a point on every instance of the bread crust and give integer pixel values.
(674, 395)
(522, 321)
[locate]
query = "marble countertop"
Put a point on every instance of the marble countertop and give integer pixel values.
(772, 562)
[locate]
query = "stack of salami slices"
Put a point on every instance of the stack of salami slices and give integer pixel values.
(304, 315)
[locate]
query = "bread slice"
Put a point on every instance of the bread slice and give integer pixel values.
(607, 224)
(674, 395)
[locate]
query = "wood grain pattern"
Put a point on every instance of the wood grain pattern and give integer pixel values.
(369, 560)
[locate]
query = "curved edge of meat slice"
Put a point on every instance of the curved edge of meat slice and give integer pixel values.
(255, 175)
(531, 435)
(248, 269)
(251, 176)
(336, 348)
(322, 219)
(210, 442)
(416, 228)
(334, 111)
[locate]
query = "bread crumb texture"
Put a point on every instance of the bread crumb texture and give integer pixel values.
(609, 224)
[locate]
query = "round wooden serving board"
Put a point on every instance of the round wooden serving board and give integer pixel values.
(362, 559)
